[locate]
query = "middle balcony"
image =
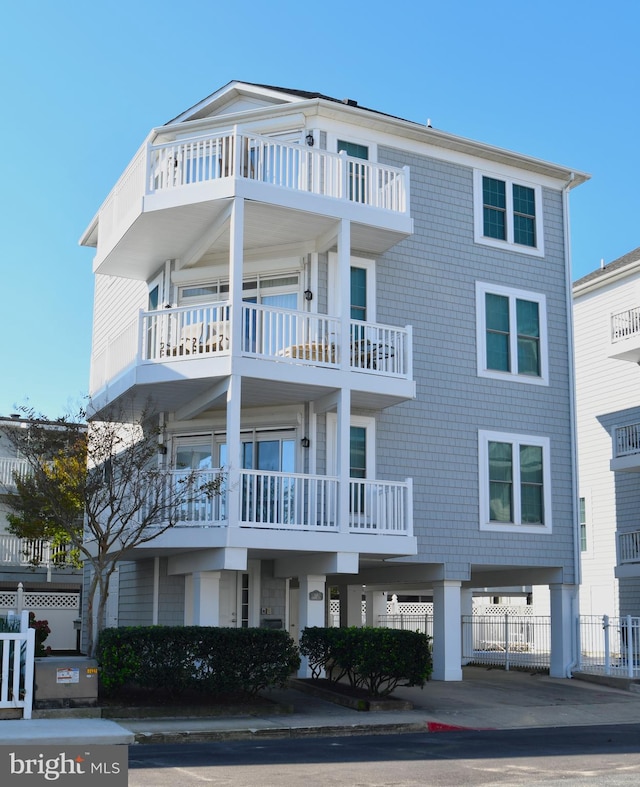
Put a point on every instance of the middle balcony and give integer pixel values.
(173, 355)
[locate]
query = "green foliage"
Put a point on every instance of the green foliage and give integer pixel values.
(206, 659)
(375, 659)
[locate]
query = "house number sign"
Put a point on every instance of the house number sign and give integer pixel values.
(316, 595)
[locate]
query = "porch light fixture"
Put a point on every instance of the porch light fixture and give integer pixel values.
(309, 139)
(308, 295)
(305, 442)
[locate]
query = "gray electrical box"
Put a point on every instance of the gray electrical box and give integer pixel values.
(65, 682)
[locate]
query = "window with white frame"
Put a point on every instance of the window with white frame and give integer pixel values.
(515, 485)
(508, 213)
(511, 331)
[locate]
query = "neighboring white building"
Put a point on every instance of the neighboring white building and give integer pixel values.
(49, 587)
(366, 322)
(607, 352)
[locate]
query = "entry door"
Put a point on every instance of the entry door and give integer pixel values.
(194, 453)
(235, 599)
(357, 172)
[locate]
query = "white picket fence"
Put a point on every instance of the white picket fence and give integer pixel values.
(610, 646)
(17, 653)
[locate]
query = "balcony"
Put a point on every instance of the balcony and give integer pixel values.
(626, 448)
(628, 554)
(175, 353)
(16, 551)
(172, 193)
(625, 335)
(9, 467)
(379, 518)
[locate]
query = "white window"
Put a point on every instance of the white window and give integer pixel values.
(515, 483)
(508, 213)
(511, 334)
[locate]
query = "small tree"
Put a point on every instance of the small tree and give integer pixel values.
(99, 488)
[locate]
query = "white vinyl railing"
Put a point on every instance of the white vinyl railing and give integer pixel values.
(17, 652)
(291, 501)
(16, 551)
(610, 646)
(380, 507)
(282, 335)
(283, 164)
(627, 440)
(625, 324)
(297, 501)
(9, 467)
(184, 331)
(628, 545)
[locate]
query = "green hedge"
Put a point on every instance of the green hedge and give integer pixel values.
(375, 659)
(206, 659)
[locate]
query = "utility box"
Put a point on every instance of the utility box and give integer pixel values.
(65, 682)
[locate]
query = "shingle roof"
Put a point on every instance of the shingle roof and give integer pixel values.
(621, 262)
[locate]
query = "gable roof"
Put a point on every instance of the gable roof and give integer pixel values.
(627, 260)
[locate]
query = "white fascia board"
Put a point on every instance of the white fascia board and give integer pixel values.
(607, 278)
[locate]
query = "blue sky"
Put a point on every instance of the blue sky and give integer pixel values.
(83, 83)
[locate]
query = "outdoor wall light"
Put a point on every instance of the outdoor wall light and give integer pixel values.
(305, 442)
(308, 295)
(309, 139)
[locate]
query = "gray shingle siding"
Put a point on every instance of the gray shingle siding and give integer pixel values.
(429, 281)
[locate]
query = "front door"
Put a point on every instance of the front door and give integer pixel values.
(235, 599)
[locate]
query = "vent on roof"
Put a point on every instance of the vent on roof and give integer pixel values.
(349, 102)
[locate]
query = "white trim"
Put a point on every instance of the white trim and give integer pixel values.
(484, 288)
(336, 289)
(332, 441)
(478, 213)
(516, 440)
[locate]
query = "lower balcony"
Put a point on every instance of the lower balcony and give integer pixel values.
(30, 552)
(297, 501)
(626, 448)
(275, 506)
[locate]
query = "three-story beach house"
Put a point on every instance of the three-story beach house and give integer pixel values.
(364, 324)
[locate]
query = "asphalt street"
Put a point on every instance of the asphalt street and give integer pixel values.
(607, 755)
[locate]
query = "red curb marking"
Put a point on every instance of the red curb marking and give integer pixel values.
(436, 726)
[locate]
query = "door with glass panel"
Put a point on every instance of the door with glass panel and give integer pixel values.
(357, 172)
(272, 324)
(193, 469)
(268, 490)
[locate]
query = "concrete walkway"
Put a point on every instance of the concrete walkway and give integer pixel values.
(485, 699)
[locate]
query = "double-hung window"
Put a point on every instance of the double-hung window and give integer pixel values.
(511, 334)
(515, 488)
(508, 213)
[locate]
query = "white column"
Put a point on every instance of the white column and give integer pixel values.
(466, 609)
(447, 643)
(563, 600)
(311, 608)
(343, 445)
(234, 450)
(376, 606)
(206, 598)
(350, 605)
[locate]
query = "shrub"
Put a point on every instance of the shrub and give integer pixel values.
(42, 632)
(375, 659)
(205, 659)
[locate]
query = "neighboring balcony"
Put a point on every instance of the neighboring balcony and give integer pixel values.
(171, 194)
(626, 448)
(379, 517)
(174, 352)
(9, 468)
(31, 552)
(628, 553)
(625, 335)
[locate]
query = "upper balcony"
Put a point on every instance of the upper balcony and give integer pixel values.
(628, 554)
(172, 194)
(625, 335)
(626, 448)
(174, 355)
